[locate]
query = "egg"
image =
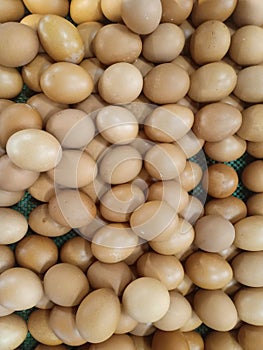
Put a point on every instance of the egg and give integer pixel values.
(13, 331)
(85, 11)
(99, 307)
(120, 83)
(255, 149)
(194, 340)
(248, 87)
(190, 144)
(36, 253)
(117, 124)
(12, 10)
(231, 208)
(8, 198)
(126, 323)
(112, 9)
(8, 258)
(222, 82)
(13, 226)
(221, 340)
(88, 31)
(12, 82)
(213, 233)
(43, 188)
(108, 50)
(220, 180)
(16, 117)
(176, 13)
(20, 288)
(32, 21)
(166, 340)
(62, 322)
(251, 176)
(115, 276)
(254, 204)
(17, 37)
(143, 329)
(249, 233)
(208, 270)
(138, 304)
(96, 189)
(212, 305)
(178, 314)
(66, 82)
(191, 176)
(95, 69)
(166, 83)
(141, 17)
(247, 12)
(191, 325)
(13, 178)
(251, 128)
(246, 267)
(250, 336)
(60, 7)
(61, 205)
(5, 103)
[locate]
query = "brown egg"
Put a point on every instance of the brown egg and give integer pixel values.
(167, 269)
(252, 176)
(66, 82)
(246, 267)
(191, 176)
(255, 149)
(4, 312)
(221, 340)
(116, 341)
(117, 124)
(166, 340)
(154, 220)
(194, 340)
(185, 63)
(233, 101)
(85, 11)
(96, 189)
(45, 106)
(36, 253)
(254, 204)
(250, 336)
(7, 258)
(5, 103)
(113, 242)
(12, 10)
(101, 306)
(126, 323)
(248, 302)
(66, 45)
(120, 164)
(91, 105)
(193, 210)
(249, 233)
(62, 322)
(77, 251)
(88, 231)
(143, 329)
(42, 189)
(220, 180)
(212, 306)
(108, 50)
(12, 82)
(16, 117)
(192, 324)
(251, 127)
(247, 12)
(176, 13)
(231, 208)
(139, 306)
(13, 178)
(227, 150)
(17, 37)
(168, 123)
(47, 347)
(72, 208)
(118, 203)
(32, 21)
(59, 7)
(213, 233)
(216, 121)
(70, 279)
(44, 303)
(143, 65)
(39, 328)
(13, 331)
(248, 87)
(13, 226)
(115, 276)
(142, 343)
(166, 83)
(120, 83)
(88, 31)
(20, 288)
(95, 69)
(222, 82)
(208, 270)
(111, 9)
(212, 10)
(33, 149)
(210, 42)
(178, 241)
(97, 146)
(190, 144)
(135, 12)
(178, 314)
(41, 222)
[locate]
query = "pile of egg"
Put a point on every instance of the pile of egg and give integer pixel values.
(126, 95)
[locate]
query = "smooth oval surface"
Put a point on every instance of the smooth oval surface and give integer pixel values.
(249, 233)
(13, 226)
(12, 82)
(246, 268)
(249, 84)
(13, 331)
(252, 127)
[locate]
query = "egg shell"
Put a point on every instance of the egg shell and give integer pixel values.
(88, 31)
(249, 233)
(247, 12)
(166, 83)
(255, 149)
(100, 307)
(111, 9)
(212, 306)
(190, 144)
(246, 267)
(116, 341)
(5, 103)
(208, 270)
(47, 347)
(221, 340)
(12, 82)
(85, 11)
(250, 336)
(17, 37)
(33, 149)
(138, 304)
(66, 82)
(13, 331)
(166, 340)
(252, 176)
(7, 258)
(251, 127)
(13, 226)
(191, 176)
(254, 204)
(126, 323)
(192, 324)
(173, 12)
(60, 7)
(20, 288)
(11, 11)
(249, 84)
(134, 13)
(95, 68)
(43, 188)
(194, 340)
(193, 210)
